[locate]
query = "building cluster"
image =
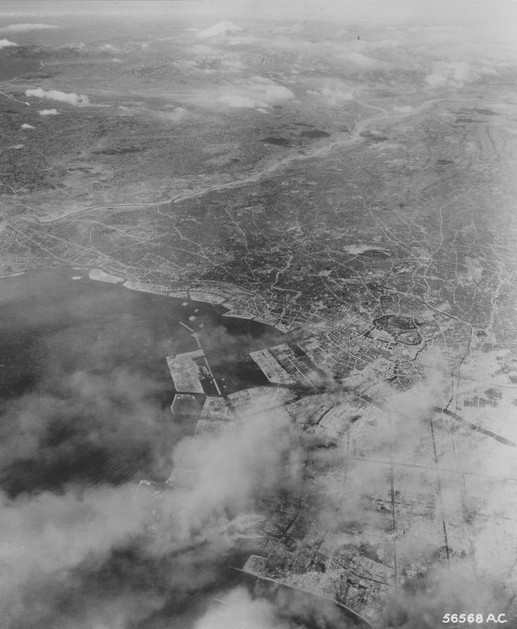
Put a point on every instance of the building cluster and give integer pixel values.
(284, 364)
(186, 371)
(352, 579)
(283, 539)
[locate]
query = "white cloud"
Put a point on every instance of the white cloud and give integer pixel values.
(5, 43)
(222, 28)
(25, 125)
(52, 533)
(403, 109)
(455, 74)
(262, 453)
(178, 114)
(450, 74)
(48, 535)
(283, 609)
(236, 100)
(360, 60)
(71, 98)
(335, 96)
(23, 28)
(48, 112)
(257, 92)
(239, 610)
(393, 429)
(275, 93)
(334, 91)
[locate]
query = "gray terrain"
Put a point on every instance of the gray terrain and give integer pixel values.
(326, 197)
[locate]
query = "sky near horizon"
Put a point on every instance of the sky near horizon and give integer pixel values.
(480, 22)
(455, 11)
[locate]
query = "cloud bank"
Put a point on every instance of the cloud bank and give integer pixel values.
(85, 545)
(455, 74)
(24, 28)
(221, 28)
(271, 607)
(238, 609)
(5, 43)
(257, 92)
(57, 542)
(262, 454)
(71, 98)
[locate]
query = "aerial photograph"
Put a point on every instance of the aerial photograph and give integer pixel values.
(258, 314)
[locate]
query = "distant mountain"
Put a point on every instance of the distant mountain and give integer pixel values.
(221, 28)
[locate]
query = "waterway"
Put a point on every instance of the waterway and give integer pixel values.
(82, 360)
(84, 399)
